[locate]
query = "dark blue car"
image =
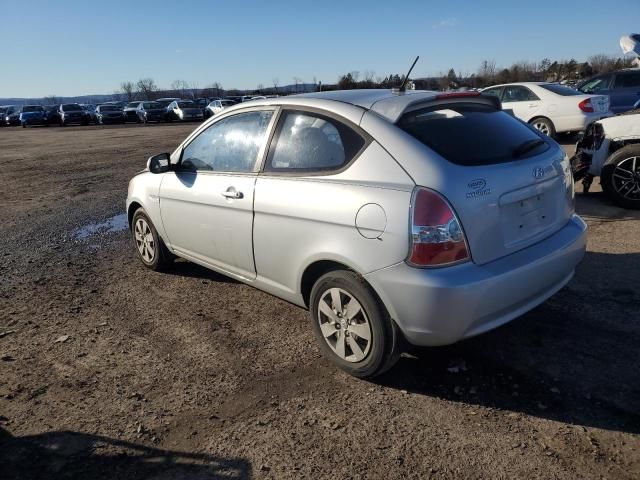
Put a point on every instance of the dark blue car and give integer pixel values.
(623, 88)
(33, 115)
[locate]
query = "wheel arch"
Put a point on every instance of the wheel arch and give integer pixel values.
(536, 117)
(318, 268)
(133, 206)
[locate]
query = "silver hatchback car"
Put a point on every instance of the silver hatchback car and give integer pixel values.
(420, 216)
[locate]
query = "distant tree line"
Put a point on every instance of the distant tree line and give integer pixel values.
(488, 73)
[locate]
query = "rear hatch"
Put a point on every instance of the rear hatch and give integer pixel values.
(509, 185)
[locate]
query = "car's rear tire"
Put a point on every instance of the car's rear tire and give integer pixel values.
(544, 125)
(344, 312)
(620, 177)
(151, 250)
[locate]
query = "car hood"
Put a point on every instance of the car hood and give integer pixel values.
(625, 126)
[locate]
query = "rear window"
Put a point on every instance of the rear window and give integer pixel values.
(32, 108)
(561, 89)
(186, 104)
(472, 134)
(71, 107)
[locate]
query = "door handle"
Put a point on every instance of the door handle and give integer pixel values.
(232, 193)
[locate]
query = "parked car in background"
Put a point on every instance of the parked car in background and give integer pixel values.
(3, 114)
(234, 98)
(421, 216)
(216, 106)
(610, 149)
(184, 110)
(53, 114)
(165, 102)
(109, 113)
(550, 107)
(202, 103)
(151, 112)
(72, 113)
(91, 111)
(131, 111)
(622, 88)
(11, 116)
(33, 115)
(117, 103)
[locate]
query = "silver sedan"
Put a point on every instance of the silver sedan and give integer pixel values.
(420, 217)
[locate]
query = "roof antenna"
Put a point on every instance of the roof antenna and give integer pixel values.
(403, 87)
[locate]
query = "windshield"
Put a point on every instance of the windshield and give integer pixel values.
(561, 89)
(132, 104)
(186, 104)
(108, 108)
(32, 108)
(227, 103)
(472, 134)
(151, 105)
(71, 107)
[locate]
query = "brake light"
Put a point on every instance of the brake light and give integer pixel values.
(443, 96)
(437, 238)
(586, 105)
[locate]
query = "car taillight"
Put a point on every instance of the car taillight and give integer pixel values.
(437, 238)
(586, 105)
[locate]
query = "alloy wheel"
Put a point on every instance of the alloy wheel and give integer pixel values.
(626, 178)
(542, 127)
(344, 325)
(144, 240)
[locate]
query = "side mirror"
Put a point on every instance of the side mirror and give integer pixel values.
(159, 163)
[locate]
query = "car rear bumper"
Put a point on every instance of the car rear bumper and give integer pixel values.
(577, 122)
(442, 306)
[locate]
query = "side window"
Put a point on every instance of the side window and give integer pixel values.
(627, 80)
(230, 145)
(495, 92)
(517, 93)
(312, 142)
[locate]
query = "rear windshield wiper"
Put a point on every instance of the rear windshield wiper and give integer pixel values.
(527, 146)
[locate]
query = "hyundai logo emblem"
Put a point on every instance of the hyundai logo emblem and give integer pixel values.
(538, 172)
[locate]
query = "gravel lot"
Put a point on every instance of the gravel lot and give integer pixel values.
(109, 370)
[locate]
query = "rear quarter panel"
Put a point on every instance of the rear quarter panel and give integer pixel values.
(303, 219)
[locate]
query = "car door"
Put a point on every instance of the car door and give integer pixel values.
(521, 101)
(206, 202)
(625, 92)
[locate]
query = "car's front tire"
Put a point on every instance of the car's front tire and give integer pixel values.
(620, 178)
(150, 248)
(353, 327)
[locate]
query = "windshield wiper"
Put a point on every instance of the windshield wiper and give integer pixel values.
(527, 146)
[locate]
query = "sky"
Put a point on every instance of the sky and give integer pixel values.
(68, 47)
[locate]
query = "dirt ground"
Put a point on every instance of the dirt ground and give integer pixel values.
(109, 370)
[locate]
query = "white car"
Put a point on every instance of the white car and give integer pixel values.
(550, 107)
(610, 149)
(216, 106)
